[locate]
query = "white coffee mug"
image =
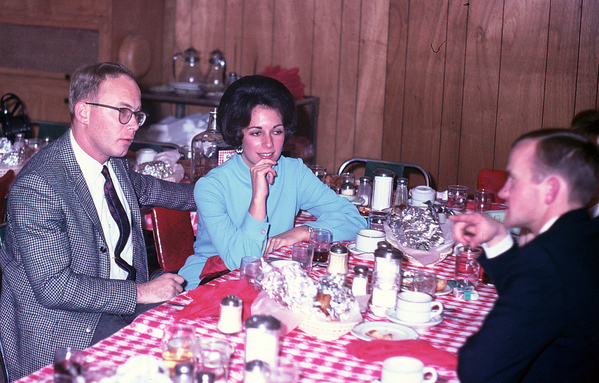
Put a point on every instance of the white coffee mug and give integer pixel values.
(406, 370)
(421, 194)
(417, 307)
(367, 240)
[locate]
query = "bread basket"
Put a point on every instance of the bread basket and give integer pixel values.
(324, 330)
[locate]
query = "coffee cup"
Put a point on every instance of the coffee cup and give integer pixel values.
(406, 370)
(421, 194)
(416, 307)
(367, 240)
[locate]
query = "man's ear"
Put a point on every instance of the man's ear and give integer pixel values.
(82, 111)
(553, 187)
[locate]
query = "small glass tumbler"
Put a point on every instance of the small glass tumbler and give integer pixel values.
(321, 239)
(178, 345)
(286, 371)
(319, 171)
(213, 356)
(303, 252)
(68, 365)
(376, 220)
(457, 196)
(425, 282)
(250, 268)
(482, 200)
(467, 269)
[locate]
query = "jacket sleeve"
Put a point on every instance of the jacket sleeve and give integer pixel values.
(332, 212)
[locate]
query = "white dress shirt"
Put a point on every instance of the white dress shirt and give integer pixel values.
(92, 172)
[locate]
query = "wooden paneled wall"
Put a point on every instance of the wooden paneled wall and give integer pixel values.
(444, 83)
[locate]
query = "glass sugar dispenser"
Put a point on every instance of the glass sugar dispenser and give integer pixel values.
(386, 279)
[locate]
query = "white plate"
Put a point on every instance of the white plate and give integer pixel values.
(282, 262)
(445, 291)
(359, 254)
(390, 314)
(398, 331)
(353, 199)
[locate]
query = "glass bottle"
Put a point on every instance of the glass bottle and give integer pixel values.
(204, 149)
(401, 193)
(20, 143)
(365, 190)
(348, 186)
(216, 76)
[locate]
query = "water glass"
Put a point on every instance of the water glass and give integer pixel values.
(213, 356)
(425, 282)
(286, 371)
(376, 220)
(319, 171)
(457, 195)
(321, 239)
(482, 200)
(303, 252)
(467, 268)
(178, 345)
(250, 268)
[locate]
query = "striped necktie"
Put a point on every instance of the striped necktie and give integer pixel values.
(120, 216)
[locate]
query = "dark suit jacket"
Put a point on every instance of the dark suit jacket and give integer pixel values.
(55, 263)
(545, 325)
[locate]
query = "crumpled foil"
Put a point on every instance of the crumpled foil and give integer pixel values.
(342, 299)
(292, 287)
(417, 228)
(15, 158)
(5, 145)
(157, 169)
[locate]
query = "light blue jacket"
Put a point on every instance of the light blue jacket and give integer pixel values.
(226, 228)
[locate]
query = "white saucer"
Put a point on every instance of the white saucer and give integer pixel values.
(445, 291)
(185, 86)
(390, 314)
(397, 331)
(359, 254)
(358, 201)
(282, 262)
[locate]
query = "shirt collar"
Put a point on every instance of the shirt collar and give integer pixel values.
(548, 224)
(89, 166)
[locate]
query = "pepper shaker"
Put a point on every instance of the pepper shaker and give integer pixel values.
(337, 259)
(231, 308)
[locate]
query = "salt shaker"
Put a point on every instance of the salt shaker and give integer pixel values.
(262, 339)
(183, 373)
(365, 190)
(205, 377)
(360, 283)
(382, 189)
(347, 184)
(401, 193)
(231, 308)
(256, 371)
(337, 259)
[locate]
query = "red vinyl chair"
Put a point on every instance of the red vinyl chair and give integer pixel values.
(173, 237)
(492, 180)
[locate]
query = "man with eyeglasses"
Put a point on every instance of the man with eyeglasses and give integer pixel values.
(74, 260)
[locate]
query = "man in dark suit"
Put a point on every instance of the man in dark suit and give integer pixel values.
(544, 326)
(74, 261)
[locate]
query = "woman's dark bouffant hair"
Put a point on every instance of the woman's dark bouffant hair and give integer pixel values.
(242, 96)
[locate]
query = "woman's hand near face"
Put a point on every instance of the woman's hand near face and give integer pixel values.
(288, 238)
(262, 175)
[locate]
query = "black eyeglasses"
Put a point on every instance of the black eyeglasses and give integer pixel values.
(125, 114)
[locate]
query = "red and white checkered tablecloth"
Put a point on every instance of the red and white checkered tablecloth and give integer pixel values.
(319, 361)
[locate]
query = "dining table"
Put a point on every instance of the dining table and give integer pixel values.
(318, 360)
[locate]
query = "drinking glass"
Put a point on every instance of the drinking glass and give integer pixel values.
(457, 195)
(213, 356)
(319, 171)
(321, 240)
(467, 268)
(425, 282)
(303, 252)
(68, 365)
(482, 200)
(286, 371)
(250, 268)
(178, 345)
(376, 220)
